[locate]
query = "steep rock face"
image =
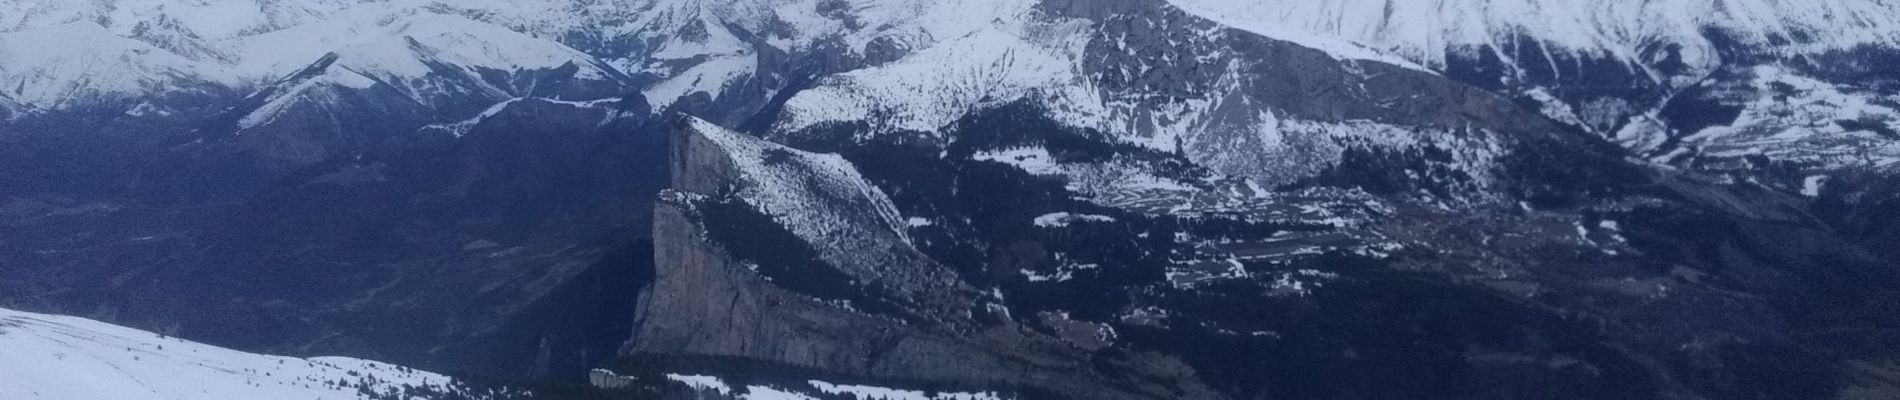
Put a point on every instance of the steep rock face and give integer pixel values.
(754, 313)
(702, 303)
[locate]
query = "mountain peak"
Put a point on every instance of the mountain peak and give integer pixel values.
(1428, 31)
(61, 65)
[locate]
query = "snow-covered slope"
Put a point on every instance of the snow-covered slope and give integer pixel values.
(1276, 109)
(449, 64)
(706, 46)
(52, 53)
(1591, 64)
(62, 65)
(398, 45)
(1428, 31)
(932, 87)
(66, 358)
(1785, 116)
(824, 200)
(207, 18)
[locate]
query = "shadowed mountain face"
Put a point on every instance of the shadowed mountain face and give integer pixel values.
(1136, 199)
(446, 245)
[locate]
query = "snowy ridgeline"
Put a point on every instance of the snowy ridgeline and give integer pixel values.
(961, 56)
(68, 358)
(1426, 31)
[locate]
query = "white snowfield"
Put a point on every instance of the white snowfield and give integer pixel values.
(68, 358)
(55, 52)
(1426, 30)
(52, 66)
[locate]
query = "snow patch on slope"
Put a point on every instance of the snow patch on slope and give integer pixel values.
(929, 89)
(323, 89)
(818, 388)
(1223, 13)
(1063, 219)
(461, 128)
(1034, 160)
(824, 200)
(1274, 150)
(710, 77)
(701, 382)
(1796, 118)
(862, 392)
(1094, 178)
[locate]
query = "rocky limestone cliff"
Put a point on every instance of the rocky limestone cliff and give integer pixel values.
(705, 301)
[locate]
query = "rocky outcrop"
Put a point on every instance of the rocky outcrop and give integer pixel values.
(705, 301)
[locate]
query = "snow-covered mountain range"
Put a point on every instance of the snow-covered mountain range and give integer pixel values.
(1433, 32)
(1614, 68)
(1126, 199)
(1587, 62)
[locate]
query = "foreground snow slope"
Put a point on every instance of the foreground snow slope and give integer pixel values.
(67, 358)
